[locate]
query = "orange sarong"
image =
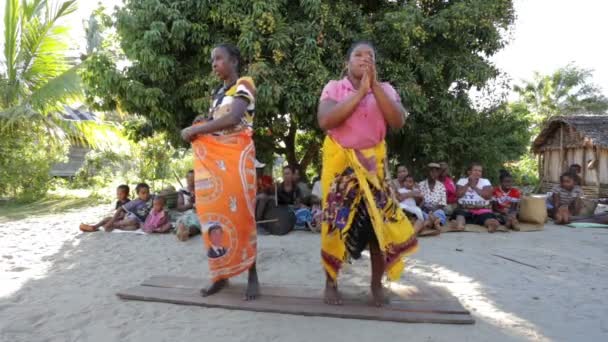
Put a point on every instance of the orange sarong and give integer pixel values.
(225, 187)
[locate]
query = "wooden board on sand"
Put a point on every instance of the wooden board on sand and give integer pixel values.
(412, 304)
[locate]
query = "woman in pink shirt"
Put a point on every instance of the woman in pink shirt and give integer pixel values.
(357, 208)
(450, 187)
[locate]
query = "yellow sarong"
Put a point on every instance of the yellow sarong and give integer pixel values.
(353, 187)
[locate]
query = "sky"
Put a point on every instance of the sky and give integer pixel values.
(547, 35)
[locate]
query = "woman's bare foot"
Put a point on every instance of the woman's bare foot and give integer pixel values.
(253, 286)
(460, 223)
(457, 225)
(492, 225)
(183, 233)
(332, 295)
(418, 226)
(214, 288)
(437, 224)
(88, 228)
(377, 295)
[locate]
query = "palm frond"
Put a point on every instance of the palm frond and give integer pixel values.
(47, 99)
(11, 37)
(62, 89)
(32, 8)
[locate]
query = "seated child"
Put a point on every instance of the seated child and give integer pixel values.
(409, 194)
(122, 196)
(506, 200)
(566, 199)
(157, 220)
(135, 212)
(317, 215)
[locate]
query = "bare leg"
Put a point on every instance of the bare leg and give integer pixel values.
(125, 224)
(183, 233)
(512, 221)
(460, 222)
(102, 222)
(377, 272)
(566, 216)
(94, 227)
(562, 216)
(332, 295)
(492, 225)
(253, 286)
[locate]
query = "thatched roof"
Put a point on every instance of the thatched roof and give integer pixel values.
(593, 128)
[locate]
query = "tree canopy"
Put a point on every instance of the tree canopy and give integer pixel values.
(568, 90)
(433, 52)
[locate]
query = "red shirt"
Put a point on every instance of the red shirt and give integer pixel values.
(450, 190)
(505, 199)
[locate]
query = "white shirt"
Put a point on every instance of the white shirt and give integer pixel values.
(408, 202)
(471, 198)
(316, 189)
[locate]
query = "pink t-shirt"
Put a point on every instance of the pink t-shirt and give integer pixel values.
(154, 221)
(366, 127)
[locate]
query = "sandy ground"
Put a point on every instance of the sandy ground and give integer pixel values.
(57, 284)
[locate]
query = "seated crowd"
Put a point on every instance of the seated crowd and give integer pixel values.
(434, 203)
(437, 201)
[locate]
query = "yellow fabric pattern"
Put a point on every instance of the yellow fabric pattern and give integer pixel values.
(392, 229)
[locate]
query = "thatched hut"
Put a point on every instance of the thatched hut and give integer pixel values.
(575, 139)
(78, 150)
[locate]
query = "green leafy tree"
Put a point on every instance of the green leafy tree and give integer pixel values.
(567, 91)
(37, 78)
(434, 52)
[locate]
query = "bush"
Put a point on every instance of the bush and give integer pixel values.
(152, 160)
(26, 158)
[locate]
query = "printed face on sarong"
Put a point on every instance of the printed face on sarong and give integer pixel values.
(215, 235)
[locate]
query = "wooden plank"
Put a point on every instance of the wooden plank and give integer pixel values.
(293, 306)
(415, 291)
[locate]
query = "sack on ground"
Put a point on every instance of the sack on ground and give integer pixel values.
(532, 209)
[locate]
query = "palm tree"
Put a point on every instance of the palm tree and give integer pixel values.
(567, 91)
(36, 77)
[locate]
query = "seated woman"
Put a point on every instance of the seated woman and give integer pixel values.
(505, 200)
(450, 188)
(474, 195)
(399, 182)
(434, 194)
(288, 192)
(566, 199)
(187, 224)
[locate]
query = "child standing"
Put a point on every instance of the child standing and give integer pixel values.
(157, 220)
(566, 199)
(122, 198)
(506, 200)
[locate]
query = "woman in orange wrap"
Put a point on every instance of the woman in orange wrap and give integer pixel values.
(224, 174)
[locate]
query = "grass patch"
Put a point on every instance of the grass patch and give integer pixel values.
(51, 204)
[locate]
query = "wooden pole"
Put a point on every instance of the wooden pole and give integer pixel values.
(561, 148)
(597, 171)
